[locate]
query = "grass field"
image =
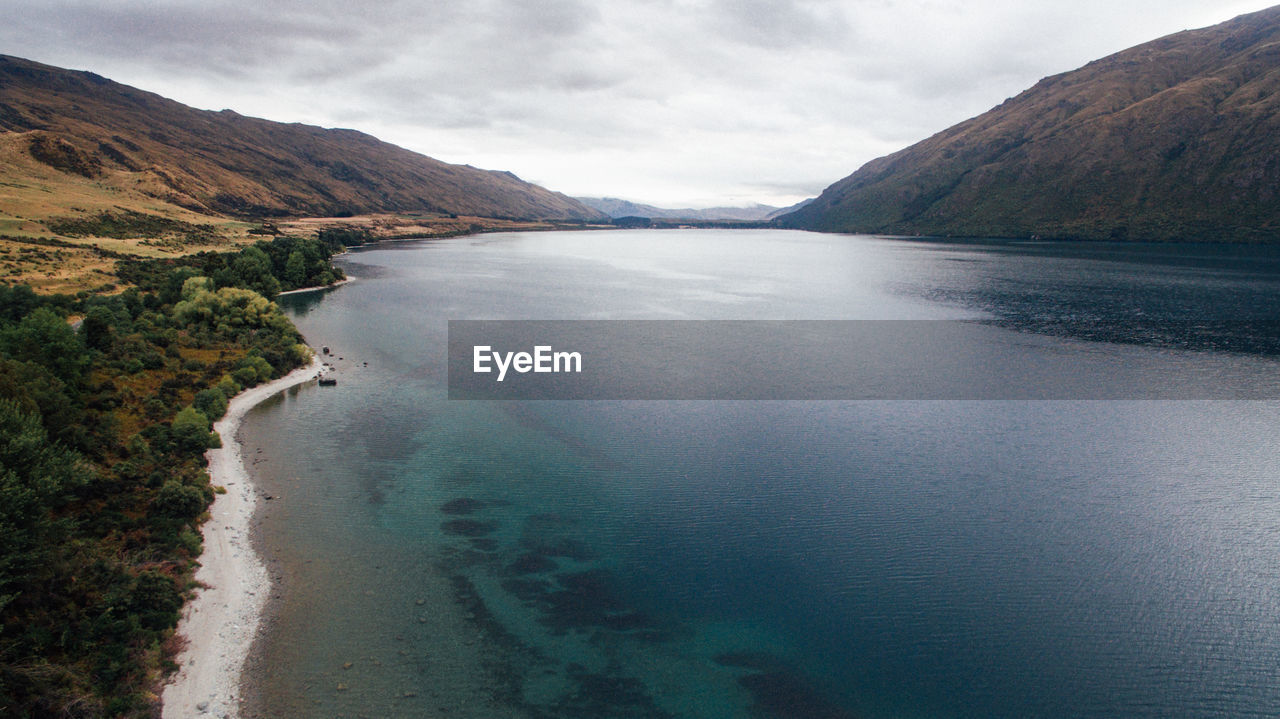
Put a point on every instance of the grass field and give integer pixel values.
(48, 220)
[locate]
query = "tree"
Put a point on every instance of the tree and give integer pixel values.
(36, 477)
(37, 392)
(46, 339)
(156, 600)
(253, 370)
(191, 430)
(252, 269)
(230, 308)
(98, 329)
(212, 403)
(295, 270)
(17, 302)
(178, 501)
(175, 283)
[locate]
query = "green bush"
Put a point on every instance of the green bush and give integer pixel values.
(190, 430)
(212, 403)
(178, 501)
(253, 370)
(229, 387)
(156, 600)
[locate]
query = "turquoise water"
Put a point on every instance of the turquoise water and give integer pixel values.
(763, 558)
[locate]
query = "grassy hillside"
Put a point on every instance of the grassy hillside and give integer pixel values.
(1174, 139)
(91, 165)
(223, 162)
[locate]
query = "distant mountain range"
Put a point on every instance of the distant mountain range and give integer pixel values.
(615, 208)
(133, 143)
(1174, 139)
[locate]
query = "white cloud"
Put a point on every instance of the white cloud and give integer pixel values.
(676, 102)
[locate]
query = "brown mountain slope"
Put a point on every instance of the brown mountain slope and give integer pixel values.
(1175, 139)
(132, 141)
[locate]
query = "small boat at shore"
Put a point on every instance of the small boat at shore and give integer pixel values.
(328, 382)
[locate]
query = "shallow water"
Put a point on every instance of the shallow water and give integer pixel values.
(768, 558)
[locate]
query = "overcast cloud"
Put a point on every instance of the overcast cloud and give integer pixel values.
(672, 102)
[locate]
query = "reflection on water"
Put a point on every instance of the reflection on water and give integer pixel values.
(776, 559)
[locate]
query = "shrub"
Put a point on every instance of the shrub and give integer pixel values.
(190, 430)
(229, 387)
(178, 501)
(212, 403)
(253, 370)
(156, 600)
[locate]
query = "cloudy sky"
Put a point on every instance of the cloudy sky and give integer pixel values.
(672, 102)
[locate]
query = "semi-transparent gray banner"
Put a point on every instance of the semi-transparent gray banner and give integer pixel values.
(827, 360)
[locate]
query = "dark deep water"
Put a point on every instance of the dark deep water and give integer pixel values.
(768, 558)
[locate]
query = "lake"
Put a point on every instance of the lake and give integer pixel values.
(774, 558)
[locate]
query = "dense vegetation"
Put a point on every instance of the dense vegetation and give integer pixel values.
(267, 267)
(342, 237)
(129, 224)
(103, 427)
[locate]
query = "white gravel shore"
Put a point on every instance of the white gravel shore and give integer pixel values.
(220, 623)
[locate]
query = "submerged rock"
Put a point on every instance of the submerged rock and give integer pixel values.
(469, 527)
(786, 695)
(759, 661)
(532, 563)
(462, 505)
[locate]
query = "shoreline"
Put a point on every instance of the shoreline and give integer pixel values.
(221, 621)
(335, 285)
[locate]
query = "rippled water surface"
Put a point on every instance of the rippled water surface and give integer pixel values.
(774, 559)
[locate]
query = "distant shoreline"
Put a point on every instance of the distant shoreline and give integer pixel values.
(220, 623)
(339, 283)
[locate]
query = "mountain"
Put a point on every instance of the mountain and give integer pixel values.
(1178, 138)
(614, 207)
(788, 210)
(135, 142)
